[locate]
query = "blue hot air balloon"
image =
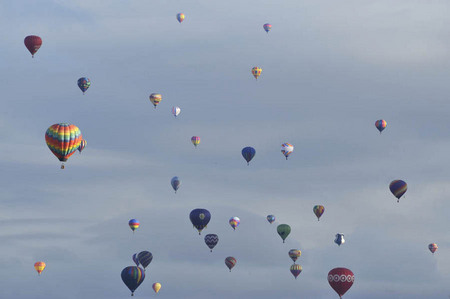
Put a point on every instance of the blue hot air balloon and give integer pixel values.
(248, 153)
(339, 239)
(211, 240)
(270, 218)
(133, 277)
(200, 219)
(175, 182)
(83, 84)
(145, 258)
(135, 259)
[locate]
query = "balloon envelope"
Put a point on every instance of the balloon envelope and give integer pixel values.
(287, 149)
(230, 262)
(63, 140)
(211, 240)
(267, 27)
(256, 71)
(135, 259)
(39, 267)
(176, 110)
(234, 222)
(33, 43)
(341, 279)
(195, 140)
(294, 254)
(296, 270)
(145, 258)
(433, 247)
(132, 277)
(82, 145)
(318, 211)
(339, 239)
(180, 17)
(398, 188)
(248, 153)
(175, 182)
(381, 125)
(134, 224)
(283, 230)
(83, 84)
(155, 98)
(156, 287)
(200, 219)
(270, 218)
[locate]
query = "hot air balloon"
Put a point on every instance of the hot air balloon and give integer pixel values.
(283, 230)
(195, 140)
(82, 145)
(381, 125)
(145, 258)
(296, 270)
(248, 153)
(230, 262)
(234, 222)
(267, 27)
(39, 266)
(200, 219)
(133, 277)
(398, 188)
(180, 17)
(318, 211)
(294, 254)
(83, 84)
(134, 224)
(339, 239)
(175, 182)
(156, 287)
(176, 110)
(433, 247)
(270, 218)
(155, 98)
(211, 240)
(256, 71)
(287, 149)
(63, 140)
(33, 43)
(135, 259)
(341, 279)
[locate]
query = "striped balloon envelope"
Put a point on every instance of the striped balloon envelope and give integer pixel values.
(132, 277)
(296, 269)
(180, 17)
(318, 211)
(176, 111)
(211, 240)
(39, 267)
(287, 149)
(433, 247)
(230, 262)
(82, 145)
(195, 140)
(398, 188)
(134, 224)
(155, 98)
(145, 258)
(234, 222)
(294, 254)
(63, 140)
(381, 125)
(267, 27)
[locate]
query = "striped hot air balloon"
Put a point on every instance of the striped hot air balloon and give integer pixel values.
(230, 262)
(82, 145)
(294, 254)
(318, 211)
(398, 188)
(267, 27)
(433, 247)
(132, 277)
(176, 111)
(134, 224)
(39, 266)
(256, 71)
(155, 98)
(63, 140)
(211, 240)
(381, 125)
(287, 149)
(234, 222)
(180, 17)
(296, 269)
(195, 140)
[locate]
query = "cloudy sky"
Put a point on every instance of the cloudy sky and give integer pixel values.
(330, 70)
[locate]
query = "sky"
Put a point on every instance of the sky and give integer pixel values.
(329, 71)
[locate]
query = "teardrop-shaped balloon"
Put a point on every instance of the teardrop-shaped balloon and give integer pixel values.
(296, 269)
(433, 247)
(156, 287)
(267, 27)
(180, 17)
(33, 43)
(84, 83)
(398, 188)
(134, 224)
(175, 182)
(63, 140)
(39, 267)
(176, 111)
(82, 145)
(287, 149)
(135, 259)
(132, 277)
(230, 262)
(195, 140)
(248, 153)
(200, 219)
(318, 211)
(256, 71)
(341, 280)
(283, 230)
(234, 222)
(145, 258)
(380, 125)
(270, 218)
(211, 240)
(294, 254)
(155, 98)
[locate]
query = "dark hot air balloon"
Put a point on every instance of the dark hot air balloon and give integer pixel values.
(200, 219)
(133, 277)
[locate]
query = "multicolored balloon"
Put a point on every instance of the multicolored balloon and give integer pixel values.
(155, 98)
(145, 258)
(176, 111)
(175, 182)
(230, 262)
(433, 247)
(318, 211)
(294, 254)
(339, 239)
(33, 43)
(156, 287)
(200, 219)
(234, 222)
(63, 140)
(195, 140)
(248, 153)
(82, 145)
(135, 259)
(134, 224)
(296, 269)
(211, 240)
(381, 125)
(283, 230)
(271, 218)
(132, 277)
(398, 188)
(83, 84)
(267, 27)
(341, 280)
(39, 267)
(256, 71)
(287, 149)
(180, 17)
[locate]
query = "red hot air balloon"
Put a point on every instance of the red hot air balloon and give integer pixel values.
(33, 43)
(341, 280)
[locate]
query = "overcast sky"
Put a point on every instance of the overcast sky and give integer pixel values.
(330, 70)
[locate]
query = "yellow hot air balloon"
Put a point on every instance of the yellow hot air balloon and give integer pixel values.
(155, 98)
(256, 71)
(156, 287)
(39, 266)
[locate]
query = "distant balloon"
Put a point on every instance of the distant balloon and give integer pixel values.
(256, 71)
(294, 254)
(156, 287)
(211, 240)
(134, 224)
(398, 188)
(155, 98)
(230, 262)
(200, 219)
(135, 259)
(270, 218)
(248, 153)
(381, 125)
(267, 27)
(287, 149)
(318, 211)
(433, 247)
(341, 280)
(176, 110)
(296, 270)
(83, 84)
(339, 239)
(195, 140)
(39, 267)
(180, 17)
(283, 230)
(33, 43)
(234, 222)
(175, 182)
(145, 258)
(63, 140)
(132, 277)
(82, 145)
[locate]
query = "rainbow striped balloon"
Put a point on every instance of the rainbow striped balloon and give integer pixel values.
(318, 211)
(63, 140)
(230, 262)
(195, 140)
(234, 222)
(287, 149)
(134, 224)
(381, 125)
(398, 188)
(180, 17)
(267, 27)
(155, 98)
(433, 247)
(294, 254)
(296, 269)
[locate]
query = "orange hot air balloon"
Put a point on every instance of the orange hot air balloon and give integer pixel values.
(39, 266)
(156, 287)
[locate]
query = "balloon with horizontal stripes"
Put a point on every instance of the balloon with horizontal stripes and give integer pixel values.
(145, 258)
(230, 262)
(63, 140)
(211, 240)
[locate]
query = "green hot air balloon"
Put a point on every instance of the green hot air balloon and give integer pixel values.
(283, 230)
